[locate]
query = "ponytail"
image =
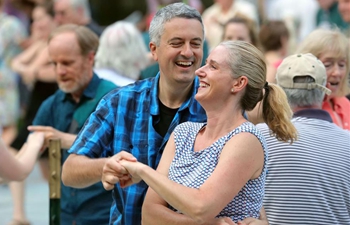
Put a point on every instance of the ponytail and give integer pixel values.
(277, 113)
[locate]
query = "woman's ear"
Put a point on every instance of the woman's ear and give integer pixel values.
(239, 84)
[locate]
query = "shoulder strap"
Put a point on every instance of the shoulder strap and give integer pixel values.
(84, 110)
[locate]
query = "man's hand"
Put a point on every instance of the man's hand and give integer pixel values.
(113, 172)
(51, 133)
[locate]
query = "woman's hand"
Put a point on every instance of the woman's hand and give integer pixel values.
(134, 169)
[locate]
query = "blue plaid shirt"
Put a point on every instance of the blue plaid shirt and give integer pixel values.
(124, 120)
(87, 206)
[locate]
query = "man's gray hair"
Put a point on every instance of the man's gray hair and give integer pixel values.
(304, 97)
(169, 12)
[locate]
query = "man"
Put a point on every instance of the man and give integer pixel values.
(140, 118)
(72, 50)
(308, 181)
(76, 12)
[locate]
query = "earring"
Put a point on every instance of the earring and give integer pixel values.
(232, 90)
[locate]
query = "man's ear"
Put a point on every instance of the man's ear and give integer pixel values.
(153, 48)
(91, 58)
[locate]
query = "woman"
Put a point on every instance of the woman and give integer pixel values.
(18, 167)
(208, 170)
(36, 71)
(241, 28)
(12, 33)
(274, 38)
(332, 48)
(29, 63)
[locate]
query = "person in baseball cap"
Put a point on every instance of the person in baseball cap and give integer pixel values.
(311, 170)
(298, 67)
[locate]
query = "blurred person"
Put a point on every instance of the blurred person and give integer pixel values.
(12, 32)
(332, 48)
(298, 15)
(328, 16)
(241, 28)
(215, 17)
(17, 168)
(191, 176)
(72, 51)
(139, 118)
(344, 10)
(76, 12)
(121, 54)
(154, 5)
(274, 37)
(32, 65)
(28, 63)
(311, 176)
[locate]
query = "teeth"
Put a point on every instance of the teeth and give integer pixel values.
(204, 85)
(185, 63)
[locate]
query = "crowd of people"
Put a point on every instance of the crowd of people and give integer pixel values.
(234, 113)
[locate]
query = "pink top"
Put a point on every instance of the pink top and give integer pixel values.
(341, 113)
(277, 63)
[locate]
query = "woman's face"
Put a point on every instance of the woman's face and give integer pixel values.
(236, 31)
(42, 22)
(336, 68)
(215, 77)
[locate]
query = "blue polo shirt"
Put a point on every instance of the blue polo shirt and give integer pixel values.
(88, 206)
(124, 120)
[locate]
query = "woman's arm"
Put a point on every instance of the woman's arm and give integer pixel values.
(18, 167)
(19, 63)
(28, 62)
(241, 159)
(45, 71)
(155, 210)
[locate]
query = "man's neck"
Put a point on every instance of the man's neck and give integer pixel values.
(296, 109)
(173, 97)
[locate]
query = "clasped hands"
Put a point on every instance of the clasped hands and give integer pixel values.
(121, 168)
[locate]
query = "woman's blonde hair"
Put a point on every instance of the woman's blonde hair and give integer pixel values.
(246, 60)
(321, 41)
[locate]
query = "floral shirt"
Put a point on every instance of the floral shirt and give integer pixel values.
(12, 32)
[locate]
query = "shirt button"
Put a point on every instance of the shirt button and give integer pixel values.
(72, 193)
(74, 222)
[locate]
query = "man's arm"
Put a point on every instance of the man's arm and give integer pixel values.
(80, 171)
(85, 163)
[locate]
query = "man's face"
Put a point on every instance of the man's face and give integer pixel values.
(64, 13)
(180, 51)
(73, 70)
(344, 9)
